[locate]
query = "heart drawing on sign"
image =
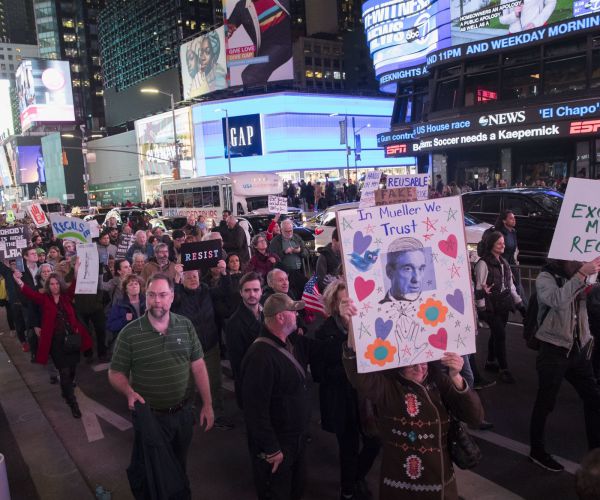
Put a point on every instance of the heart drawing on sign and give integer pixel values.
(439, 340)
(360, 242)
(449, 246)
(456, 301)
(363, 288)
(383, 328)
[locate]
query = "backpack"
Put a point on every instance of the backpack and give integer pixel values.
(531, 324)
(481, 243)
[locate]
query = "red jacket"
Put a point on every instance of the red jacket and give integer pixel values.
(49, 312)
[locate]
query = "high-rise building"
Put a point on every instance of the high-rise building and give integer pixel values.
(17, 23)
(68, 30)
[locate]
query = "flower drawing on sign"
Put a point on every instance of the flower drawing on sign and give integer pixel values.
(432, 312)
(380, 352)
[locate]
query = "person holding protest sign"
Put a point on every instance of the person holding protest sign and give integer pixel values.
(565, 351)
(62, 336)
(494, 277)
(417, 396)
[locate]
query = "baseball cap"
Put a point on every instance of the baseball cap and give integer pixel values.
(279, 302)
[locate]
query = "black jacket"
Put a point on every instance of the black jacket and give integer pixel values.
(328, 264)
(234, 241)
(240, 331)
(154, 472)
(197, 306)
(337, 398)
(593, 309)
(276, 399)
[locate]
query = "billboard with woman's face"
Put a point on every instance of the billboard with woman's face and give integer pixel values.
(203, 64)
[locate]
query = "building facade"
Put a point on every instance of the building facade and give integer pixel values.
(17, 22)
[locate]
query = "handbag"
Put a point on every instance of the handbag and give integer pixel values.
(72, 342)
(463, 449)
(502, 302)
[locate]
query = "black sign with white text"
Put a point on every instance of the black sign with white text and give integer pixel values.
(12, 241)
(201, 255)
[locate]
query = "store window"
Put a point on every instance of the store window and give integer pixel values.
(481, 88)
(522, 82)
(564, 75)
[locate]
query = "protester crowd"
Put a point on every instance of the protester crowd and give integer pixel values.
(165, 330)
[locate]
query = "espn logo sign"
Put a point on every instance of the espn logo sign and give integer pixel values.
(394, 149)
(585, 127)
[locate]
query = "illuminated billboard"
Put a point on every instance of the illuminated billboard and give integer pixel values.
(4, 169)
(204, 64)
(156, 147)
(30, 165)
(259, 41)
(44, 92)
(406, 36)
(6, 121)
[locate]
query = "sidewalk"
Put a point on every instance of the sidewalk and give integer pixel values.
(38, 464)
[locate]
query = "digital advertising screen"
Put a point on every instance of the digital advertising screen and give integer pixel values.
(259, 41)
(4, 168)
(6, 121)
(204, 64)
(405, 37)
(30, 165)
(44, 92)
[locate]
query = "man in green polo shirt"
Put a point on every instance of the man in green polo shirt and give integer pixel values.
(161, 354)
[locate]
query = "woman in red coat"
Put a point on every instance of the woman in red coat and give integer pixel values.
(58, 320)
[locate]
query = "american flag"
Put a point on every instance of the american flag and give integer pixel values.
(312, 297)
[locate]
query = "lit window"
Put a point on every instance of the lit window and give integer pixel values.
(309, 74)
(318, 74)
(68, 23)
(76, 82)
(337, 75)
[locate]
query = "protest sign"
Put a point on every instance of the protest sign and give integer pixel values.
(577, 233)
(12, 240)
(418, 181)
(10, 216)
(70, 228)
(94, 228)
(367, 192)
(409, 275)
(125, 241)
(277, 205)
(37, 214)
(87, 277)
(201, 255)
(395, 195)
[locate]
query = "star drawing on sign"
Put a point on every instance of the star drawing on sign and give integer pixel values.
(366, 307)
(379, 289)
(428, 353)
(451, 214)
(454, 271)
(460, 341)
(346, 224)
(461, 259)
(457, 324)
(363, 331)
(378, 241)
(443, 229)
(434, 256)
(427, 236)
(429, 224)
(361, 315)
(450, 316)
(406, 351)
(468, 328)
(369, 229)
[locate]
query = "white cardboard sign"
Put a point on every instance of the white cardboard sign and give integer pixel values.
(277, 204)
(577, 233)
(367, 192)
(408, 273)
(87, 277)
(418, 181)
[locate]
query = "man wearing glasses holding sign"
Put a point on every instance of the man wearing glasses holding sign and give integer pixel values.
(160, 352)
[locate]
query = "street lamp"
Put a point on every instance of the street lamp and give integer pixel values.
(345, 143)
(147, 90)
(219, 110)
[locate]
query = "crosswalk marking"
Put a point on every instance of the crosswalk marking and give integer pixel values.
(472, 486)
(91, 410)
(523, 449)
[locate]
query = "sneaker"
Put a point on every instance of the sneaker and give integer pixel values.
(223, 424)
(25, 347)
(491, 366)
(545, 460)
(482, 383)
(506, 377)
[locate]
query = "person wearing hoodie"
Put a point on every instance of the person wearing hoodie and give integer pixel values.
(329, 262)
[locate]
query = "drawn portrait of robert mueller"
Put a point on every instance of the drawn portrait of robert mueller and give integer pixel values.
(408, 269)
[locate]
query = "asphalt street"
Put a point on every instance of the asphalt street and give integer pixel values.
(98, 446)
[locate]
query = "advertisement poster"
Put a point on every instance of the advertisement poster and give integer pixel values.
(201, 255)
(70, 228)
(277, 205)
(409, 275)
(577, 233)
(12, 241)
(154, 137)
(87, 278)
(259, 41)
(53, 163)
(44, 92)
(204, 64)
(31, 166)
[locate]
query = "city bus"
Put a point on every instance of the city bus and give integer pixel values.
(209, 196)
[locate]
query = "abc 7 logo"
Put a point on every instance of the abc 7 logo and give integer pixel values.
(423, 31)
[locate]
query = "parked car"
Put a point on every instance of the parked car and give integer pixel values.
(474, 228)
(123, 214)
(536, 211)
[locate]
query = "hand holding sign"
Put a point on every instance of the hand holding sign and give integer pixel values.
(201, 255)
